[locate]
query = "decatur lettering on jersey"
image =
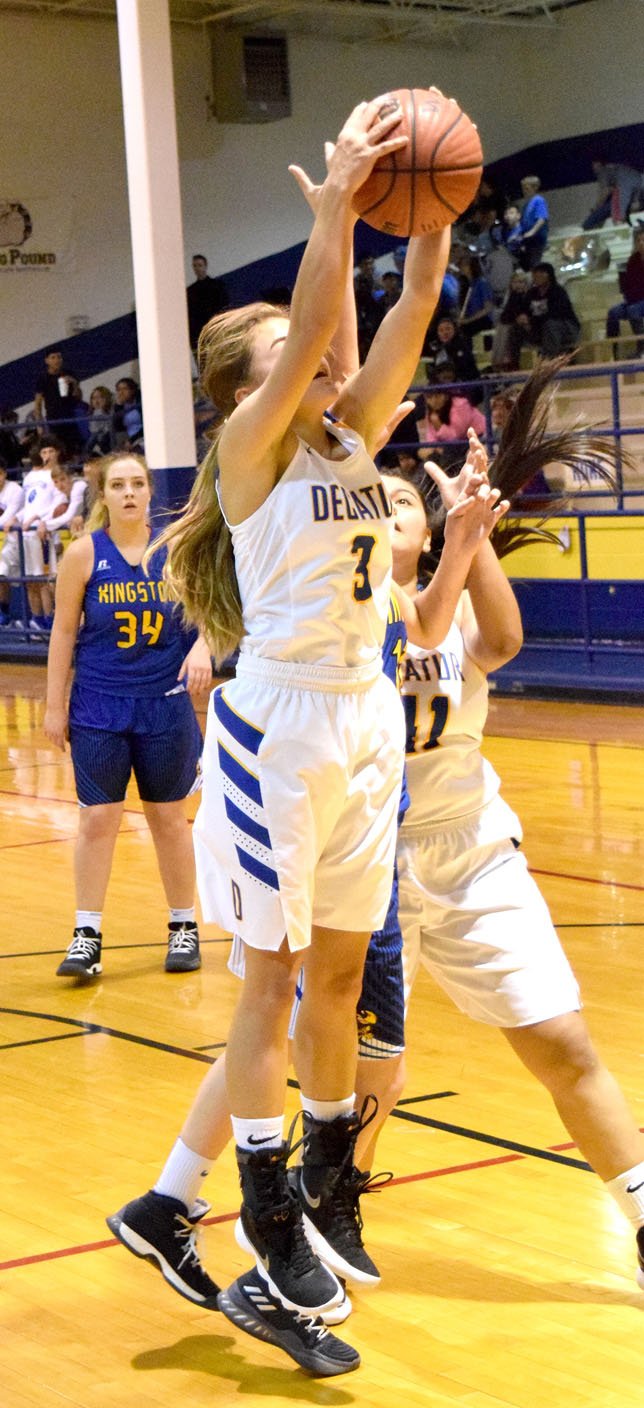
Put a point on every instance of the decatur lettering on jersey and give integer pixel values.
(336, 502)
(116, 593)
(437, 666)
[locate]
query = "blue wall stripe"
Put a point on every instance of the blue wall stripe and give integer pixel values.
(242, 778)
(255, 867)
(246, 824)
(242, 731)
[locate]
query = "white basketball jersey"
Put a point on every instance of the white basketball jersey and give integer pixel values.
(313, 562)
(445, 695)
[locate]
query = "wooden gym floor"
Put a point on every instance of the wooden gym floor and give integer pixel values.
(508, 1277)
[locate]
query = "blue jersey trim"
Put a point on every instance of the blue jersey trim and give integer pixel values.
(237, 773)
(246, 824)
(257, 869)
(238, 727)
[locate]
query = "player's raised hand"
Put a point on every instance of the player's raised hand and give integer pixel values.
(363, 139)
(473, 516)
(309, 190)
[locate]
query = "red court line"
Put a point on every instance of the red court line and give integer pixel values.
(231, 1216)
(587, 879)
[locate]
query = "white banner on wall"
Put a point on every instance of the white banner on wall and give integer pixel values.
(36, 234)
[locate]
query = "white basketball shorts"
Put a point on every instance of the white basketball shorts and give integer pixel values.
(470, 911)
(302, 768)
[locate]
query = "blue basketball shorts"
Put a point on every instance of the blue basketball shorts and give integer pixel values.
(161, 745)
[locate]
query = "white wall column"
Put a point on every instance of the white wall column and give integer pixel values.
(156, 231)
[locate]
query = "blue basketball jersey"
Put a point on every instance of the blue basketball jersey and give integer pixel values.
(393, 652)
(131, 641)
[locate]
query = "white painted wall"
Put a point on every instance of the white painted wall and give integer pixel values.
(60, 113)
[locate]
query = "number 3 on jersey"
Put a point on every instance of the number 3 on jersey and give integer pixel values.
(438, 708)
(362, 548)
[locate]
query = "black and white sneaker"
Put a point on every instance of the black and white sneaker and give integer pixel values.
(328, 1187)
(183, 954)
(251, 1306)
(271, 1219)
(83, 957)
(334, 1314)
(164, 1232)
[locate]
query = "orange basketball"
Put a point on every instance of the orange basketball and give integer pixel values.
(432, 180)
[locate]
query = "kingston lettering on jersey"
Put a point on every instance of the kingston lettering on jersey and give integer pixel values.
(319, 596)
(445, 697)
(129, 643)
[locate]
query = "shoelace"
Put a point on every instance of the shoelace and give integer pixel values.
(186, 1229)
(313, 1326)
(182, 941)
(83, 947)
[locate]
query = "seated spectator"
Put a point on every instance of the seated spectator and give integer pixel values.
(549, 321)
(534, 223)
(66, 507)
(99, 439)
(10, 451)
(11, 500)
(392, 284)
(618, 190)
(505, 346)
(128, 416)
(445, 416)
(632, 285)
(450, 347)
(477, 308)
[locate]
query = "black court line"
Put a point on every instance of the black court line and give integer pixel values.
(610, 924)
(38, 1040)
(92, 1027)
(417, 1099)
(113, 948)
(213, 1046)
(492, 1139)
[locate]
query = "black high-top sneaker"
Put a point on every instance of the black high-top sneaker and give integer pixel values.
(83, 957)
(183, 954)
(162, 1231)
(271, 1220)
(328, 1187)
(251, 1306)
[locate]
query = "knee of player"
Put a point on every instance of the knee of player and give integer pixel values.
(97, 823)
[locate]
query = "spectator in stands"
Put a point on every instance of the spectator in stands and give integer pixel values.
(127, 422)
(206, 296)
(618, 189)
(451, 347)
(53, 398)
(506, 346)
(512, 231)
(11, 500)
(66, 507)
(99, 440)
(549, 321)
(534, 223)
(90, 482)
(370, 309)
(632, 286)
(392, 285)
(39, 496)
(444, 416)
(10, 451)
(477, 307)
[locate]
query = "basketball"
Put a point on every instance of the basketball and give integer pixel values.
(433, 179)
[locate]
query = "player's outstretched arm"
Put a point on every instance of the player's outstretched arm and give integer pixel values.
(370, 398)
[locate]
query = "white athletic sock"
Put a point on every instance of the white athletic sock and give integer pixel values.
(182, 916)
(328, 1109)
(266, 1133)
(628, 1191)
(89, 919)
(182, 1174)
